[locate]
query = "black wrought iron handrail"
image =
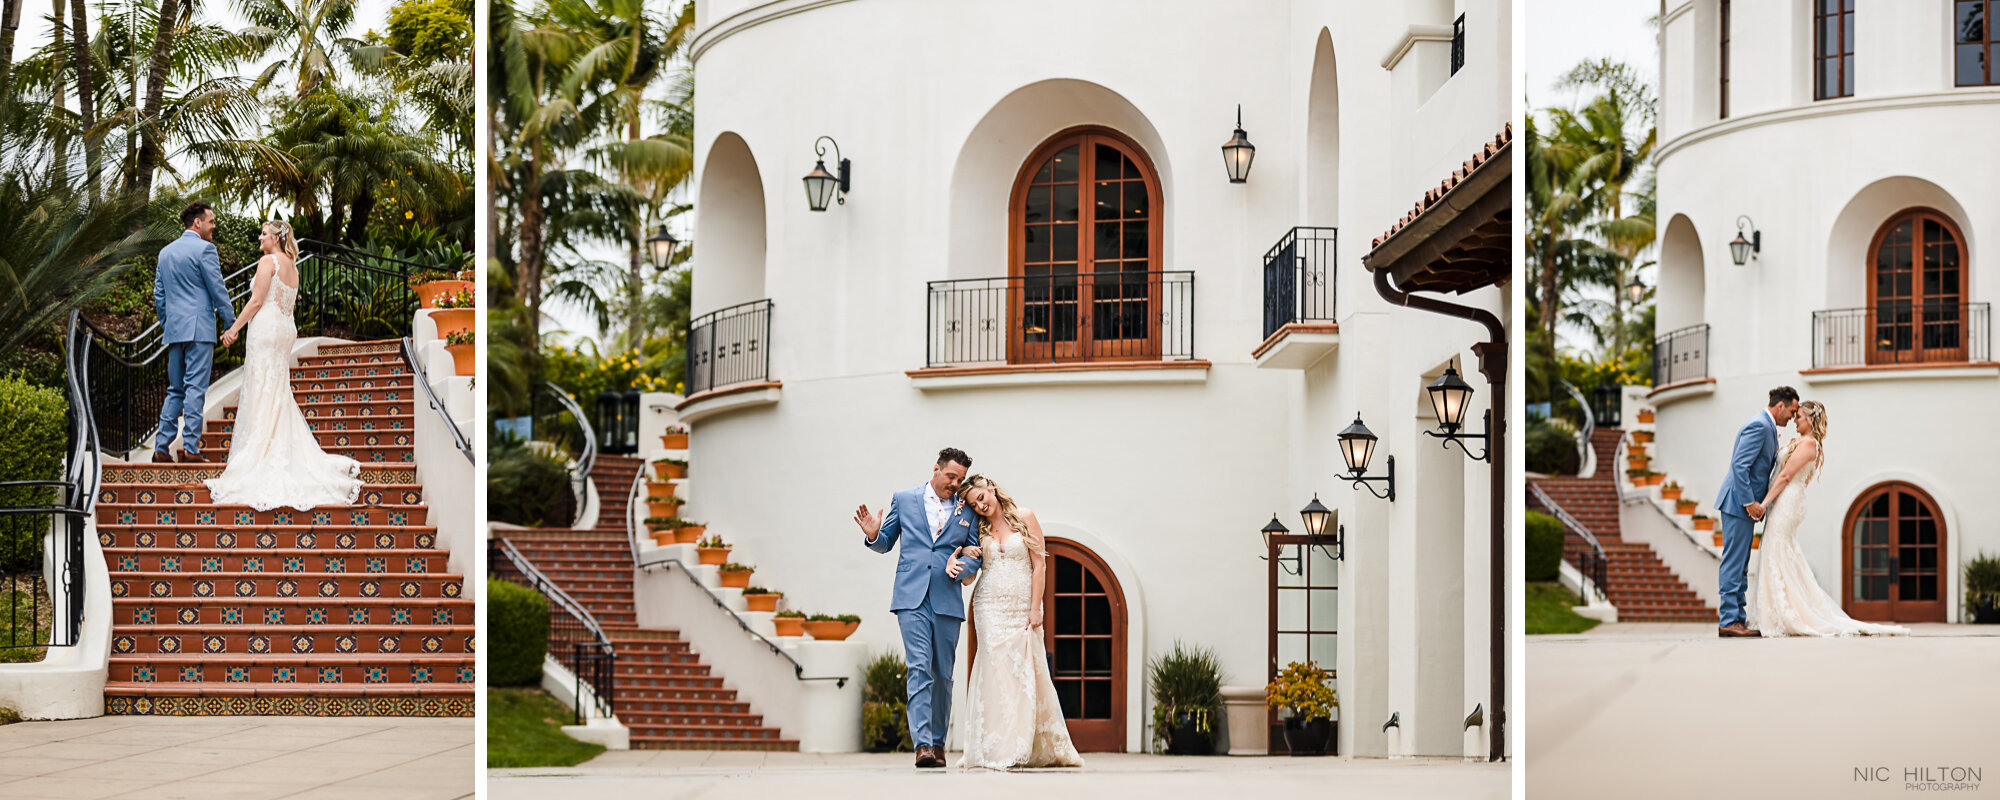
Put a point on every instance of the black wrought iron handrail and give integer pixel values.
(1903, 332)
(729, 346)
(1681, 355)
(591, 656)
(1299, 276)
(83, 473)
(1060, 317)
(1595, 566)
(319, 246)
(422, 380)
(587, 458)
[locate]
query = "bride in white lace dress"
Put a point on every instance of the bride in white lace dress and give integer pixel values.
(273, 458)
(1789, 601)
(1016, 719)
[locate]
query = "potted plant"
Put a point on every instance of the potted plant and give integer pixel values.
(1655, 478)
(760, 598)
(832, 628)
(467, 274)
(712, 550)
(676, 437)
(666, 468)
(789, 623)
(1638, 476)
(735, 576)
(1757, 540)
(689, 532)
(431, 284)
(1982, 589)
(1684, 507)
(656, 490)
(1646, 416)
(664, 506)
(1642, 435)
(1671, 490)
(1635, 449)
(1704, 522)
(455, 311)
(1187, 693)
(1638, 462)
(464, 352)
(1305, 701)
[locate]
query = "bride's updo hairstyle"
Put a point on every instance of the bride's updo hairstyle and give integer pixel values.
(286, 244)
(1007, 511)
(1815, 416)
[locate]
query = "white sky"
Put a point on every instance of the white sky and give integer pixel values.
(35, 28)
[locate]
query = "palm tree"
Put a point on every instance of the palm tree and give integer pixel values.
(61, 249)
(308, 31)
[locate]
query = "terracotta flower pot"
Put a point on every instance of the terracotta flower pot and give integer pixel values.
(789, 626)
(761, 602)
(453, 320)
(1655, 480)
(464, 358)
(735, 579)
(1718, 538)
(659, 491)
(428, 293)
(1670, 494)
(467, 275)
(713, 555)
(1757, 542)
(665, 537)
(664, 508)
(664, 470)
(832, 631)
(1638, 480)
(1705, 525)
(1638, 462)
(1642, 437)
(1646, 416)
(674, 441)
(1685, 507)
(1635, 449)
(690, 534)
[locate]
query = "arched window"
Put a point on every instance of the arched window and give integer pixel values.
(1916, 291)
(1891, 547)
(1084, 260)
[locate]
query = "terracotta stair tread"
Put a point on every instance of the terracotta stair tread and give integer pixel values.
(287, 689)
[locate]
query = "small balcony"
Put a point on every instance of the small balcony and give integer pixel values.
(1902, 335)
(1681, 356)
(1299, 327)
(729, 361)
(1058, 323)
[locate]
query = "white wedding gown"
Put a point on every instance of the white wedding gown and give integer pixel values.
(1788, 601)
(1016, 720)
(273, 458)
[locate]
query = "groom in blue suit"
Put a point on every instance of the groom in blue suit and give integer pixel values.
(1741, 504)
(932, 525)
(189, 297)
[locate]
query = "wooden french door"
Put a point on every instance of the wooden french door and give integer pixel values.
(1304, 618)
(1084, 634)
(1084, 251)
(1916, 297)
(1891, 549)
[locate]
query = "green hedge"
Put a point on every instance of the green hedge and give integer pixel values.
(1545, 546)
(33, 420)
(518, 619)
(1552, 448)
(524, 487)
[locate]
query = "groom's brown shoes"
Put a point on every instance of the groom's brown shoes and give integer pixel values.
(163, 456)
(929, 757)
(1738, 631)
(191, 457)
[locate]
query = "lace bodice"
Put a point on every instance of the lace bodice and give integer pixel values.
(283, 297)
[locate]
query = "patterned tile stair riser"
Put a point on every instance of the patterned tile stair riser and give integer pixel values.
(665, 694)
(337, 611)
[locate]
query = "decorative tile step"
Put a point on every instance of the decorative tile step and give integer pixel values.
(675, 694)
(245, 585)
(330, 398)
(376, 494)
(400, 382)
(710, 743)
(636, 719)
(393, 355)
(289, 611)
(205, 560)
(652, 668)
(257, 639)
(193, 474)
(314, 408)
(271, 537)
(631, 634)
(388, 346)
(331, 441)
(328, 370)
(324, 700)
(658, 707)
(669, 683)
(280, 668)
(378, 454)
(211, 514)
(391, 422)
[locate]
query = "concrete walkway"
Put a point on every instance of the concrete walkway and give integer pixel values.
(1643, 710)
(672, 775)
(225, 758)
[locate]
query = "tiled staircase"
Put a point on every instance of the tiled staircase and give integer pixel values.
(337, 611)
(665, 695)
(1640, 584)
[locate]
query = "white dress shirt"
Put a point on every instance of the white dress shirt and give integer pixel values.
(936, 509)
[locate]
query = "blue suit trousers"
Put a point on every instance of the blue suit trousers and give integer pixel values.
(187, 388)
(1733, 579)
(930, 647)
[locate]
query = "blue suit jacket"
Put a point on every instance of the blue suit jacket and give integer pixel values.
(921, 581)
(1750, 463)
(187, 290)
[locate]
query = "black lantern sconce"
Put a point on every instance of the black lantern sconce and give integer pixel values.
(1741, 249)
(820, 184)
(660, 248)
(1449, 397)
(1635, 291)
(618, 422)
(1238, 152)
(1316, 517)
(1357, 448)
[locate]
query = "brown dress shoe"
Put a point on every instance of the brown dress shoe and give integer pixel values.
(191, 457)
(1738, 631)
(163, 457)
(929, 757)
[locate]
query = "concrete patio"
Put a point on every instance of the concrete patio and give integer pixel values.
(664, 775)
(1641, 710)
(224, 758)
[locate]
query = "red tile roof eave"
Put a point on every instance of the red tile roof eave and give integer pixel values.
(1434, 196)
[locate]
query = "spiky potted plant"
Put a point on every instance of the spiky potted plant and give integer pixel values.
(1303, 698)
(1187, 694)
(1982, 589)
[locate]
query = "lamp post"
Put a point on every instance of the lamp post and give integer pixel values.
(618, 421)
(820, 184)
(1357, 448)
(1741, 249)
(1238, 152)
(1450, 395)
(1635, 290)
(1316, 517)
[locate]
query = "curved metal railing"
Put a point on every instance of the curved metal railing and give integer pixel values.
(422, 380)
(1596, 563)
(83, 473)
(576, 638)
(1586, 455)
(579, 478)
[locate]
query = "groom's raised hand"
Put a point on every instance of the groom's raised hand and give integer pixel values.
(870, 523)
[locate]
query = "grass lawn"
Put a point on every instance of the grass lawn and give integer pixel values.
(22, 619)
(1549, 610)
(524, 729)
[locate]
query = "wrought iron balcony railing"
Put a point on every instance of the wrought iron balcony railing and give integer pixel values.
(1060, 317)
(1681, 355)
(729, 346)
(1298, 278)
(1902, 332)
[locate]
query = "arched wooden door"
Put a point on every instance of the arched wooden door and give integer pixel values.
(1917, 290)
(1084, 633)
(1891, 549)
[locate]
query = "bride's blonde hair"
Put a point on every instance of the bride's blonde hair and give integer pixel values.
(1008, 511)
(286, 244)
(1815, 415)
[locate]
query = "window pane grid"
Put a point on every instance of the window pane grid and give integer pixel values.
(1976, 45)
(1833, 49)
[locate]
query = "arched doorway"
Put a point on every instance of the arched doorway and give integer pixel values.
(1916, 290)
(1891, 547)
(1084, 630)
(1084, 251)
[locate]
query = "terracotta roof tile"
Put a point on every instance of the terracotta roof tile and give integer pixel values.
(1444, 187)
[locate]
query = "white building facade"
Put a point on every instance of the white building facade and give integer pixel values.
(1849, 142)
(1041, 259)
